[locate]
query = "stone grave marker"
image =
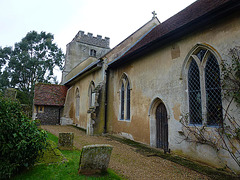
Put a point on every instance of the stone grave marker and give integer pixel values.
(65, 140)
(94, 159)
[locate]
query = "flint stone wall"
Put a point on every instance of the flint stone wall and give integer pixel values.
(95, 158)
(50, 116)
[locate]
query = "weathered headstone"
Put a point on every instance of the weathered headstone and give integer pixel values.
(65, 140)
(95, 159)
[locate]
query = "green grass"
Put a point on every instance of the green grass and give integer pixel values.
(62, 170)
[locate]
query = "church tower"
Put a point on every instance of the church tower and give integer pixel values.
(81, 48)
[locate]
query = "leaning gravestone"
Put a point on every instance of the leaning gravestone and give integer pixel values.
(65, 141)
(94, 159)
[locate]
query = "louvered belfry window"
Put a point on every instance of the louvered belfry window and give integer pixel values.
(204, 89)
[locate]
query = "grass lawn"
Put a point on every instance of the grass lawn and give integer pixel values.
(61, 170)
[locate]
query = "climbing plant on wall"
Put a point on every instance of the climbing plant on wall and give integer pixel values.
(225, 136)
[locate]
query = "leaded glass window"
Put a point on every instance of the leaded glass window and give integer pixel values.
(204, 88)
(195, 107)
(125, 99)
(128, 101)
(122, 101)
(213, 91)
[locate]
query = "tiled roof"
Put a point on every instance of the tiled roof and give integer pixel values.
(198, 9)
(49, 94)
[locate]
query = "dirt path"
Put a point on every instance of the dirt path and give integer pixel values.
(126, 161)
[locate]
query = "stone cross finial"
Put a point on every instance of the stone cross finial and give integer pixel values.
(154, 14)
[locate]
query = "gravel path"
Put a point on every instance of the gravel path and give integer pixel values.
(125, 161)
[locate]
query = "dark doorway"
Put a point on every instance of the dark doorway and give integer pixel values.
(162, 127)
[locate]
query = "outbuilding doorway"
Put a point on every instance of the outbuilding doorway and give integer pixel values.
(162, 127)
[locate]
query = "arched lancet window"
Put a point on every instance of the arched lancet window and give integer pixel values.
(204, 88)
(128, 101)
(91, 94)
(213, 91)
(125, 98)
(194, 93)
(77, 102)
(122, 101)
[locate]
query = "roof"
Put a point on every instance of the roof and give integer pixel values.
(86, 69)
(49, 94)
(192, 16)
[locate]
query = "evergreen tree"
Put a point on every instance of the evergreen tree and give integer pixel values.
(31, 60)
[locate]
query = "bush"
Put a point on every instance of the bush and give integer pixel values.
(21, 141)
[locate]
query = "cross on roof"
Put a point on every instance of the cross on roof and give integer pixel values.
(154, 14)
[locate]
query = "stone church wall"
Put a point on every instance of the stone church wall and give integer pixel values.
(83, 84)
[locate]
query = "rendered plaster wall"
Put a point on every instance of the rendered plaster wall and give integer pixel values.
(160, 76)
(83, 84)
(122, 47)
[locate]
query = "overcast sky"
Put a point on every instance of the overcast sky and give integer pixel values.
(64, 18)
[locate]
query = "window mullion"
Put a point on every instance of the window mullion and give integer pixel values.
(203, 93)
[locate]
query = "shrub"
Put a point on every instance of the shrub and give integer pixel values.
(21, 141)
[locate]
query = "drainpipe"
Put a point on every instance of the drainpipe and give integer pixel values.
(106, 101)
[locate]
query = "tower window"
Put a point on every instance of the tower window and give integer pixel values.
(93, 52)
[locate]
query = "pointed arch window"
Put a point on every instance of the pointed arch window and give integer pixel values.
(204, 88)
(91, 94)
(77, 97)
(128, 101)
(213, 91)
(122, 101)
(125, 99)
(194, 90)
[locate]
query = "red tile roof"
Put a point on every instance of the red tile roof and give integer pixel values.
(184, 18)
(49, 94)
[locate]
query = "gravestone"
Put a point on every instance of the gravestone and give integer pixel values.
(94, 159)
(65, 140)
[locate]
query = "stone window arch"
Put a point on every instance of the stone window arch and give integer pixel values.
(125, 98)
(77, 99)
(91, 94)
(204, 86)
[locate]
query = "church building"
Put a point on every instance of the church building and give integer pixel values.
(164, 72)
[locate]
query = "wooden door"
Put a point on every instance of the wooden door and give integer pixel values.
(162, 127)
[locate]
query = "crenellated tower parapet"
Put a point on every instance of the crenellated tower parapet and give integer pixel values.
(81, 48)
(91, 40)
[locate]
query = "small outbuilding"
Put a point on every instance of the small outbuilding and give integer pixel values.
(48, 103)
